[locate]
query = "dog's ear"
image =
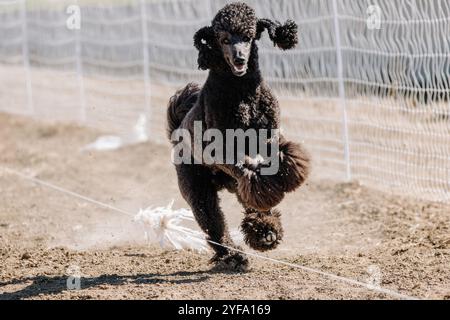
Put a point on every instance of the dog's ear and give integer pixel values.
(284, 36)
(204, 41)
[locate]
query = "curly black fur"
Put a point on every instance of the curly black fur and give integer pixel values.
(225, 102)
(260, 192)
(294, 165)
(180, 104)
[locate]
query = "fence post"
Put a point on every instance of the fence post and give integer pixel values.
(79, 67)
(146, 65)
(26, 58)
(342, 97)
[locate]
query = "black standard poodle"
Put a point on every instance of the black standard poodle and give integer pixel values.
(235, 96)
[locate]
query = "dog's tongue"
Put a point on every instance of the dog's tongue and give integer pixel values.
(239, 67)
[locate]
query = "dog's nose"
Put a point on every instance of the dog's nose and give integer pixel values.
(239, 61)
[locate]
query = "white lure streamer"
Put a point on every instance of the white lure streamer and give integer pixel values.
(163, 224)
(108, 143)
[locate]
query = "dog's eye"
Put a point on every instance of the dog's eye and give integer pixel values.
(226, 41)
(246, 39)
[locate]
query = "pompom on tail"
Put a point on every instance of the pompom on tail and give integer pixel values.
(294, 166)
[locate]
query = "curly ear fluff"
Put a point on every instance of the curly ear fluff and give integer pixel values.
(284, 36)
(204, 42)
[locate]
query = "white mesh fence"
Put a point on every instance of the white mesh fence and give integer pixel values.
(367, 89)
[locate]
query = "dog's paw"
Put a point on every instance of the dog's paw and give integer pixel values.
(231, 262)
(269, 238)
(262, 230)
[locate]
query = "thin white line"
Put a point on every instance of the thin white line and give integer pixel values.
(304, 268)
(113, 64)
(79, 71)
(52, 61)
(146, 65)
(122, 21)
(12, 41)
(322, 273)
(397, 53)
(112, 42)
(47, 24)
(26, 58)
(11, 24)
(52, 43)
(54, 187)
(342, 95)
(178, 22)
(9, 2)
(393, 21)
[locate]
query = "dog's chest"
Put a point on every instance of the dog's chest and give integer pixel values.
(249, 115)
(232, 109)
(244, 114)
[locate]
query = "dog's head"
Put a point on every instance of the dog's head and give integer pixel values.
(228, 44)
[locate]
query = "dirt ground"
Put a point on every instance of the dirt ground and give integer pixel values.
(346, 229)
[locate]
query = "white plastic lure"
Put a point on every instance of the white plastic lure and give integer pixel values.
(164, 225)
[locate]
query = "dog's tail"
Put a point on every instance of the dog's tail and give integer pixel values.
(180, 104)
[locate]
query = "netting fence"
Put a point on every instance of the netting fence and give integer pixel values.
(367, 89)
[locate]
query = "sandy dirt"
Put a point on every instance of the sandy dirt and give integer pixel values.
(348, 230)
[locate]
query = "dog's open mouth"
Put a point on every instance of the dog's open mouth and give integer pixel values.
(238, 69)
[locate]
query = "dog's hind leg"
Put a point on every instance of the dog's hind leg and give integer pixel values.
(198, 189)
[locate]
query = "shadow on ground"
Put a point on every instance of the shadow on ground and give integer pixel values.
(48, 285)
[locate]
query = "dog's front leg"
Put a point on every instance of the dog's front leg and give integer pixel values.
(198, 189)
